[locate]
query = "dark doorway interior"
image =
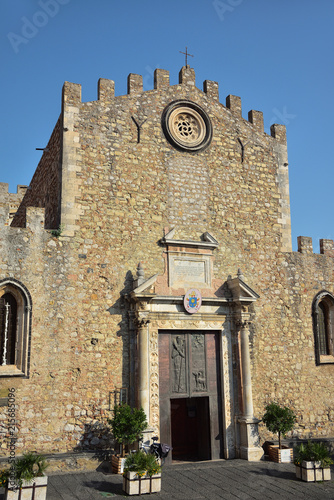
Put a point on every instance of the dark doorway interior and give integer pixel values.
(190, 428)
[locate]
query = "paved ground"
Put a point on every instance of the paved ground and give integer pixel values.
(226, 480)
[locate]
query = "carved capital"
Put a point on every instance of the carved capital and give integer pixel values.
(141, 322)
(243, 323)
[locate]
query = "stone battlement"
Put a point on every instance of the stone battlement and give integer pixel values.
(305, 246)
(35, 217)
(4, 190)
(10, 202)
(106, 93)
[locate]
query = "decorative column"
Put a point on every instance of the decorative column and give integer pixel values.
(250, 448)
(247, 398)
(143, 348)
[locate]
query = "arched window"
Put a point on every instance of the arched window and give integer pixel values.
(15, 320)
(8, 309)
(323, 323)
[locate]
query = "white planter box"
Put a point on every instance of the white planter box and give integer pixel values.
(134, 485)
(37, 486)
(312, 471)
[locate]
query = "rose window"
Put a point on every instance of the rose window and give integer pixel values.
(187, 126)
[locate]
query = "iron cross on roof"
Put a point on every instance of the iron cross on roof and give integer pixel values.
(186, 54)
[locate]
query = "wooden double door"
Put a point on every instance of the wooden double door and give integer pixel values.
(190, 394)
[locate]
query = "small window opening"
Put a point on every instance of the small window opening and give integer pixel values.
(8, 329)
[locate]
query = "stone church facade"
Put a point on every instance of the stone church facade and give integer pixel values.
(150, 261)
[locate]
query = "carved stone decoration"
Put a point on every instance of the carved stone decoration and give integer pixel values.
(198, 362)
(178, 358)
(154, 381)
(187, 126)
(200, 381)
(198, 340)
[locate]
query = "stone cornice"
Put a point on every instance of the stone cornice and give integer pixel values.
(208, 241)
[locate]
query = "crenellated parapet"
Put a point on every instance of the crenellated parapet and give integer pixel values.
(34, 217)
(305, 246)
(105, 90)
(11, 201)
(327, 247)
(161, 81)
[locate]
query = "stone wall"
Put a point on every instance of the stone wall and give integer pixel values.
(63, 402)
(44, 189)
(285, 362)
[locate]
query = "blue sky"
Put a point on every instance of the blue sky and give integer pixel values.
(276, 55)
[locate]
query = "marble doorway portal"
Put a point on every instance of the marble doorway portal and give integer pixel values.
(190, 393)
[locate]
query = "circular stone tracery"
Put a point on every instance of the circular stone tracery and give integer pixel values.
(187, 126)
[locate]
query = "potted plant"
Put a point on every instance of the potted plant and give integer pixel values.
(279, 420)
(141, 474)
(25, 479)
(313, 462)
(128, 425)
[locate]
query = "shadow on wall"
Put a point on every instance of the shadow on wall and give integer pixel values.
(120, 307)
(96, 436)
(126, 332)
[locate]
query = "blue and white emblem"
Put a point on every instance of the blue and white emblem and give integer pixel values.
(192, 300)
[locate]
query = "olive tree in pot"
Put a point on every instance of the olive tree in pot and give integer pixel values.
(128, 425)
(279, 420)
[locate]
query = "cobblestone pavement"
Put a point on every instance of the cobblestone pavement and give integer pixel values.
(227, 480)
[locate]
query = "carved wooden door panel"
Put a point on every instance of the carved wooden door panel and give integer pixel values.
(188, 363)
(189, 368)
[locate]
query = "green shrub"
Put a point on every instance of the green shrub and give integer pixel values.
(57, 232)
(29, 466)
(313, 451)
(128, 425)
(142, 464)
(279, 420)
(26, 468)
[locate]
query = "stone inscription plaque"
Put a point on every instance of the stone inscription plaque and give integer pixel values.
(189, 271)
